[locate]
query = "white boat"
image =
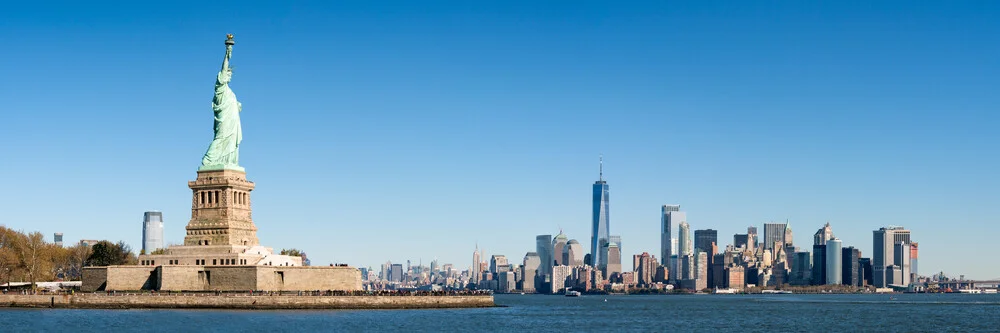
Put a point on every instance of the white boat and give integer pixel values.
(970, 291)
(572, 293)
(769, 291)
(725, 291)
(989, 291)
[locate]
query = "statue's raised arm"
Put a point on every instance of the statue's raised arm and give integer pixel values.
(224, 152)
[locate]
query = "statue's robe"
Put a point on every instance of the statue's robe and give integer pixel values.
(225, 148)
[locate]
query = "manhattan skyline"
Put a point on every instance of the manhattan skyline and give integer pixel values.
(449, 125)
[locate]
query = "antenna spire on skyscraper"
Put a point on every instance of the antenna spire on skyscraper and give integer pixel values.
(601, 176)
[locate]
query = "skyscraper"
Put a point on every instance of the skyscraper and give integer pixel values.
(752, 238)
(573, 253)
(851, 258)
(703, 240)
(669, 215)
(543, 246)
(684, 239)
(901, 258)
(883, 251)
(559, 249)
(152, 231)
(474, 272)
(823, 234)
(614, 261)
(529, 271)
(819, 264)
(58, 239)
(498, 264)
(600, 221)
(834, 262)
(774, 233)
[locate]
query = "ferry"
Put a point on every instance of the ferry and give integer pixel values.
(769, 291)
(989, 291)
(725, 291)
(572, 293)
(969, 291)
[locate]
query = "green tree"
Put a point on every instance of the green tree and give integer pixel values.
(291, 252)
(105, 253)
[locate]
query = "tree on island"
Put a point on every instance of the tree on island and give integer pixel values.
(106, 253)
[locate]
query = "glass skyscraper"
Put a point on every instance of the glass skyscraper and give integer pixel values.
(599, 238)
(152, 231)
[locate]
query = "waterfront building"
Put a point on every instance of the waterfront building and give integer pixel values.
(559, 249)
(684, 244)
(901, 258)
(687, 268)
(57, 238)
(396, 273)
(865, 271)
(600, 220)
(913, 261)
(645, 271)
(735, 277)
(819, 264)
(851, 267)
(669, 216)
(788, 237)
(559, 276)
(543, 246)
(152, 231)
(507, 282)
(573, 255)
(701, 270)
(883, 252)
(801, 268)
(774, 233)
(662, 273)
(834, 262)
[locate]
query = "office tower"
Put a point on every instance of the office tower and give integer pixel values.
(684, 243)
(752, 237)
(851, 265)
(152, 231)
(819, 264)
(735, 277)
(498, 264)
(701, 270)
(801, 268)
(645, 270)
(559, 249)
(740, 240)
(474, 272)
(614, 260)
(788, 237)
(774, 233)
(669, 216)
(718, 273)
(58, 239)
(600, 221)
(543, 246)
(913, 261)
(865, 271)
(703, 240)
(573, 253)
(834, 262)
(823, 234)
(396, 273)
(559, 275)
(385, 273)
(901, 258)
(883, 242)
(529, 269)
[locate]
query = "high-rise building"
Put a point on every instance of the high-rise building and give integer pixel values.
(901, 258)
(819, 264)
(152, 231)
(559, 249)
(801, 268)
(883, 252)
(913, 261)
(645, 270)
(573, 253)
(823, 234)
(684, 244)
(834, 262)
(752, 237)
(703, 240)
(701, 270)
(740, 241)
(498, 264)
(735, 277)
(474, 272)
(851, 265)
(601, 217)
(57, 238)
(669, 216)
(529, 269)
(774, 233)
(865, 271)
(543, 246)
(614, 260)
(559, 275)
(788, 237)
(396, 273)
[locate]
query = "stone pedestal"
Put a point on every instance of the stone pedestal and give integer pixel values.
(220, 210)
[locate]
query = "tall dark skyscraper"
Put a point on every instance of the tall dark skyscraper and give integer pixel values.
(600, 228)
(819, 264)
(703, 240)
(774, 232)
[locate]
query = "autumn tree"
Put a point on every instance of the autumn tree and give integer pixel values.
(33, 256)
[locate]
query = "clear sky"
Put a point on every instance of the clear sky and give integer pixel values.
(383, 131)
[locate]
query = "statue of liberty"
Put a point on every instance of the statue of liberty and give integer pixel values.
(224, 152)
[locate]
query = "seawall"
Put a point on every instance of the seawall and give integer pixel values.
(197, 301)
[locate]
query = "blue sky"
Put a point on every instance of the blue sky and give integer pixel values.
(383, 131)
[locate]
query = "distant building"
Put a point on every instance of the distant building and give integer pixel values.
(574, 253)
(865, 271)
(823, 234)
(614, 260)
(396, 273)
(819, 264)
(735, 277)
(498, 264)
(559, 276)
(475, 274)
(902, 259)
(752, 237)
(559, 249)
(774, 233)
(152, 231)
(703, 240)
(740, 241)
(645, 269)
(883, 252)
(801, 268)
(913, 260)
(600, 221)
(507, 283)
(57, 238)
(701, 270)
(851, 267)
(543, 246)
(669, 216)
(834, 262)
(88, 242)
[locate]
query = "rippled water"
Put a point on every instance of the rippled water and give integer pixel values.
(523, 313)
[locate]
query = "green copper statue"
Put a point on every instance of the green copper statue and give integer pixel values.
(224, 152)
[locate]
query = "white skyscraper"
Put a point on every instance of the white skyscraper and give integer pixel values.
(670, 215)
(152, 231)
